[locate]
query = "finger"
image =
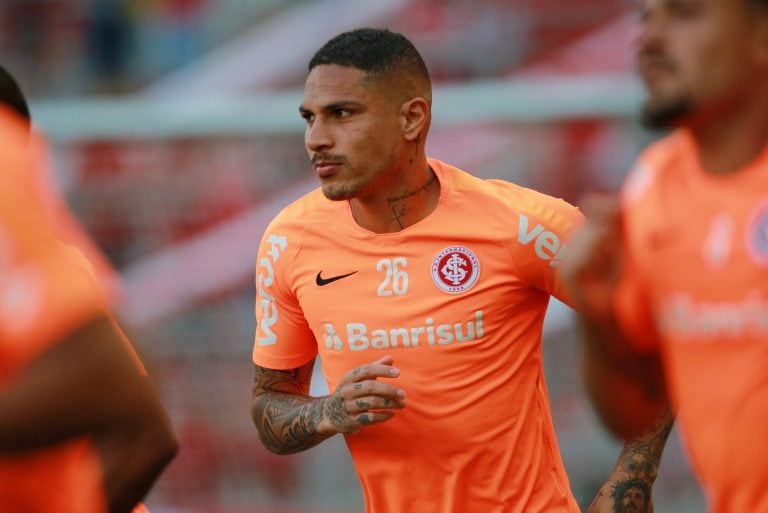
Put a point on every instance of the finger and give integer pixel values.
(385, 360)
(373, 417)
(372, 370)
(371, 387)
(363, 404)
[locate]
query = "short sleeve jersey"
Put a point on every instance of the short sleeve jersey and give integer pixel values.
(696, 290)
(47, 288)
(458, 300)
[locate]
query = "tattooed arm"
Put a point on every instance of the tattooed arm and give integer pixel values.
(635, 472)
(284, 414)
(289, 420)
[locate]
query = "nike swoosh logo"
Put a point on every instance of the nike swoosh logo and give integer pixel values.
(321, 282)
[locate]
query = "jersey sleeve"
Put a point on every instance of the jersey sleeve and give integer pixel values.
(540, 236)
(47, 286)
(283, 339)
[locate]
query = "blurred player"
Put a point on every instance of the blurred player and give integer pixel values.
(678, 269)
(81, 429)
(423, 290)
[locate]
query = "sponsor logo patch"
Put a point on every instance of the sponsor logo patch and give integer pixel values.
(322, 282)
(265, 302)
(358, 336)
(546, 244)
(455, 269)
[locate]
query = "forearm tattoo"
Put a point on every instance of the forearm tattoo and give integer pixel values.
(641, 456)
(285, 415)
(337, 413)
(631, 496)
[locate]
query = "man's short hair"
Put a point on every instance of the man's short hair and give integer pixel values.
(374, 51)
(11, 95)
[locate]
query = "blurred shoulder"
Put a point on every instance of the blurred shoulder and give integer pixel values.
(654, 165)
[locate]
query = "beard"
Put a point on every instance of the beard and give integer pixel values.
(338, 192)
(354, 186)
(665, 114)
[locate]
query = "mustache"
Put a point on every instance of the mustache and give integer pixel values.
(327, 158)
(656, 60)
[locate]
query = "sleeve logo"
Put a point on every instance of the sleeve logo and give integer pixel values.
(265, 302)
(546, 244)
(455, 269)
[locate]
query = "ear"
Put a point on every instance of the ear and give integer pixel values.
(414, 117)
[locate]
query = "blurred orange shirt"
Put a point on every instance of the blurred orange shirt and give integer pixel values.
(47, 289)
(458, 299)
(696, 289)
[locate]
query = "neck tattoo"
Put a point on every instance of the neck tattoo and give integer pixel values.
(400, 208)
(398, 212)
(408, 194)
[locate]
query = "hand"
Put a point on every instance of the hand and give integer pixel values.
(360, 399)
(602, 503)
(623, 494)
(592, 266)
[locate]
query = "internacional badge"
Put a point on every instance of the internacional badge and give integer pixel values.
(757, 234)
(455, 269)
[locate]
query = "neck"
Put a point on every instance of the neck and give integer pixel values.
(407, 198)
(733, 140)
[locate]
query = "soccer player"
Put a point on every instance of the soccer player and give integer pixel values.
(423, 290)
(677, 268)
(81, 429)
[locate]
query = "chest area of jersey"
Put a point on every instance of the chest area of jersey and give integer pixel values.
(705, 248)
(374, 278)
(405, 295)
(708, 274)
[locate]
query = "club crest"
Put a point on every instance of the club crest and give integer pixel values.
(757, 234)
(455, 269)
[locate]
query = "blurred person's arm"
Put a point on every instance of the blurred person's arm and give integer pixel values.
(627, 389)
(89, 385)
(290, 421)
(625, 385)
(66, 371)
(133, 459)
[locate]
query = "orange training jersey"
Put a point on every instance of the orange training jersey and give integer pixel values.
(46, 290)
(458, 300)
(698, 246)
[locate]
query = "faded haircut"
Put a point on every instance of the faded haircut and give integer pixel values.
(379, 53)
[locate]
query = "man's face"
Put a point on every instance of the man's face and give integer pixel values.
(353, 133)
(633, 501)
(695, 57)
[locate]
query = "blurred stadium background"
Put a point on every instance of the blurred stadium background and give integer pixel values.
(176, 138)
